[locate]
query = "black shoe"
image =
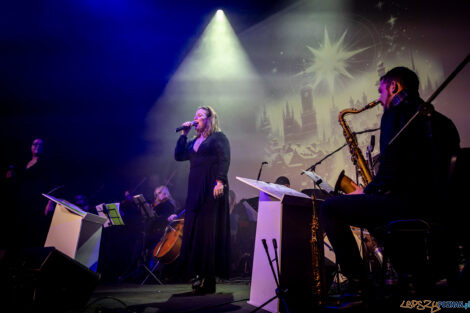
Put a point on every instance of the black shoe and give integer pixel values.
(350, 288)
(354, 289)
(196, 282)
(207, 286)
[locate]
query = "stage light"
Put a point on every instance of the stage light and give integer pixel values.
(219, 14)
(216, 72)
(218, 58)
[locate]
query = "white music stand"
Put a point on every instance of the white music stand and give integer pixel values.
(284, 214)
(75, 233)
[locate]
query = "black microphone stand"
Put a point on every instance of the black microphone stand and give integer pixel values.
(331, 153)
(261, 167)
(326, 157)
(279, 291)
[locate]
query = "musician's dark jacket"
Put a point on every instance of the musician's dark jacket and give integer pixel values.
(415, 165)
(206, 234)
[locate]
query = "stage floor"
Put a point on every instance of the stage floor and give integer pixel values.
(230, 296)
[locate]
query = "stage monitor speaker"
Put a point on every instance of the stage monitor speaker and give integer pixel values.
(61, 283)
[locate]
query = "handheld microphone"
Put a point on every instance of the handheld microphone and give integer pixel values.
(178, 129)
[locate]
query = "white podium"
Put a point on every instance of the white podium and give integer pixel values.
(75, 233)
(285, 215)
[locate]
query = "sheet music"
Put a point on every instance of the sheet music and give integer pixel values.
(145, 208)
(114, 214)
(100, 208)
(274, 190)
(70, 206)
(319, 181)
(111, 213)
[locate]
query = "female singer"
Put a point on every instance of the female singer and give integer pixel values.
(206, 236)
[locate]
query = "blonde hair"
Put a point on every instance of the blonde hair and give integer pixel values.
(165, 192)
(212, 122)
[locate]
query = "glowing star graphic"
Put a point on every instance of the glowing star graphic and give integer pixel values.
(392, 21)
(330, 61)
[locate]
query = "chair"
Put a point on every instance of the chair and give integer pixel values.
(407, 246)
(424, 252)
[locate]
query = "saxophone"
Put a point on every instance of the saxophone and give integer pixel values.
(345, 183)
(316, 245)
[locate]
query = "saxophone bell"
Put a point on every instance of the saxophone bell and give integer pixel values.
(344, 184)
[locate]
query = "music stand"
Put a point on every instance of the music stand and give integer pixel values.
(284, 214)
(147, 213)
(75, 233)
(110, 212)
(144, 207)
(320, 182)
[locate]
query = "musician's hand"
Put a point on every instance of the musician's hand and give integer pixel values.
(127, 195)
(172, 217)
(218, 189)
(187, 127)
(358, 191)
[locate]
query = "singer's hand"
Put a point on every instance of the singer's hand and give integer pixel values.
(218, 189)
(187, 127)
(172, 217)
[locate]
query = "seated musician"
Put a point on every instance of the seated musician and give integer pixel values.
(163, 207)
(164, 204)
(283, 180)
(411, 176)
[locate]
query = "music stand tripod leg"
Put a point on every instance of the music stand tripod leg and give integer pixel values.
(279, 291)
(152, 274)
(158, 262)
(140, 261)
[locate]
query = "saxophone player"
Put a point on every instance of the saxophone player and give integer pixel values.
(412, 173)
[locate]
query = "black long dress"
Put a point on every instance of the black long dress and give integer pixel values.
(32, 223)
(205, 248)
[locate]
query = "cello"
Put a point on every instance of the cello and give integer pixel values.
(168, 248)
